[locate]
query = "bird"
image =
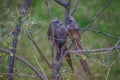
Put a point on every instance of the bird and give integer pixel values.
(75, 36)
(57, 33)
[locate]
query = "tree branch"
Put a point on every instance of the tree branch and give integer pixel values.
(23, 61)
(75, 7)
(15, 37)
(90, 51)
(61, 3)
(97, 15)
(66, 5)
(38, 49)
(49, 11)
(94, 50)
(104, 33)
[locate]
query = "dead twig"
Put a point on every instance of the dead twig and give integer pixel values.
(75, 7)
(61, 3)
(105, 33)
(96, 16)
(96, 51)
(38, 49)
(48, 7)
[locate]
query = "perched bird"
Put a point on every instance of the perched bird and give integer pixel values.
(75, 36)
(51, 29)
(57, 33)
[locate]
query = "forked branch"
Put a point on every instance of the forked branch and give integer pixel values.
(97, 15)
(74, 7)
(61, 3)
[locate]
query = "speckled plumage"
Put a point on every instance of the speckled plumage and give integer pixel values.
(74, 35)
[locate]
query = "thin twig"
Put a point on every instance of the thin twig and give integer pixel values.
(61, 3)
(96, 51)
(98, 62)
(38, 49)
(49, 11)
(93, 50)
(108, 73)
(105, 33)
(24, 61)
(67, 13)
(6, 36)
(66, 5)
(26, 75)
(75, 7)
(97, 15)
(117, 43)
(40, 67)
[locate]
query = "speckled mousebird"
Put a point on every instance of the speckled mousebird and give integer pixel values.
(75, 36)
(57, 33)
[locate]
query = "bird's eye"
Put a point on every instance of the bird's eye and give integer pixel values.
(57, 21)
(70, 20)
(60, 24)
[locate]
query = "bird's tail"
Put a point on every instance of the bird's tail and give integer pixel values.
(58, 66)
(82, 61)
(68, 58)
(85, 65)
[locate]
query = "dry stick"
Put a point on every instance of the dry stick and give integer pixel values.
(110, 67)
(23, 61)
(67, 8)
(40, 67)
(49, 11)
(50, 14)
(25, 75)
(75, 7)
(97, 15)
(66, 5)
(61, 3)
(21, 74)
(105, 33)
(6, 36)
(117, 43)
(38, 49)
(15, 37)
(89, 51)
(94, 50)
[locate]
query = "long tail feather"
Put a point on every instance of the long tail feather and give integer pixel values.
(68, 59)
(82, 61)
(58, 66)
(85, 65)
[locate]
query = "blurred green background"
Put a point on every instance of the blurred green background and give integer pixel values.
(37, 21)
